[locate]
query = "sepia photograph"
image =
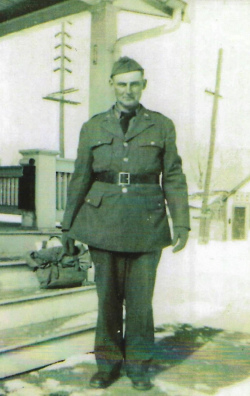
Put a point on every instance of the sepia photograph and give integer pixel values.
(125, 197)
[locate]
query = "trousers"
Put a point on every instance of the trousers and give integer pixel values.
(125, 285)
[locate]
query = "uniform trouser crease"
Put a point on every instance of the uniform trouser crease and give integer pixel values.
(129, 278)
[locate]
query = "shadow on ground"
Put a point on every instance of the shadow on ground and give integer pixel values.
(181, 342)
(187, 361)
(204, 359)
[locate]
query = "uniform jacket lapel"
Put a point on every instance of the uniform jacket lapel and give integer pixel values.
(112, 125)
(142, 122)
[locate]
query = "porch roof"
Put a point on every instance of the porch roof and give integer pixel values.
(16, 15)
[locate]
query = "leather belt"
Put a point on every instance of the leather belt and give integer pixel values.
(124, 178)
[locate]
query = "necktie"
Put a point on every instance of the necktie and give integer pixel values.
(125, 118)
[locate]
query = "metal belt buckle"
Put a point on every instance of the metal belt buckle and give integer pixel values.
(123, 179)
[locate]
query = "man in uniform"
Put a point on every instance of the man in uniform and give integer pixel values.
(127, 166)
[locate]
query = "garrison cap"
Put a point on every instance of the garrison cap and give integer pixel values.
(125, 65)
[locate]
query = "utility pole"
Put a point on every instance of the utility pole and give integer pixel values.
(59, 96)
(205, 216)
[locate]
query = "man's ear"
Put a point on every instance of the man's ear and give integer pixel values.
(145, 83)
(111, 82)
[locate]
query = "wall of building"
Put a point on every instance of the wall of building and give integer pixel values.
(240, 199)
(179, 67)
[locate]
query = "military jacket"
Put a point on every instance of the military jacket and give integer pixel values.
(129, 218)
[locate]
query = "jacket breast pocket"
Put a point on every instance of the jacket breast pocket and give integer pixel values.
(151, 142)
(102, 153)
(149, 155)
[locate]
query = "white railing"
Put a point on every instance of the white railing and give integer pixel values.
(62, 183)
(9, 191)
(9, 188)
(38, 194)
(64, 170)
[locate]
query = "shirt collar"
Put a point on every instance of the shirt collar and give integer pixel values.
(117, 111)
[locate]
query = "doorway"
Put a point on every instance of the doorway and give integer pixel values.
(239, 222)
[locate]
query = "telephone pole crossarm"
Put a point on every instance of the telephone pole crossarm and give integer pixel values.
(212, 93)
(61, 100)
(59, 96)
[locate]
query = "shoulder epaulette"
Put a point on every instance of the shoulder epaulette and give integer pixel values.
(157, 112)
(98, 115)
(94, 116)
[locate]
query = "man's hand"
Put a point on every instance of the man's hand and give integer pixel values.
(181, 235)
(68, 244)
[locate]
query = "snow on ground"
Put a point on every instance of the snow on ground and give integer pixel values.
(18, 387)
(205, 285)
(10, 218)
(239, 389)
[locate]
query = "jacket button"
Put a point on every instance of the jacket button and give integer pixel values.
(125, 144)
(125, 159)
(153, 143)
(124, 190)
(88, 200)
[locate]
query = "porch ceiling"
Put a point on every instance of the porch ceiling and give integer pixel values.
(16, 15)
(10, 9)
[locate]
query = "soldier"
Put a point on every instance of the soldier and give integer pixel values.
(127, 166)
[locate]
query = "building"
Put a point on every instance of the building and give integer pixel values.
(229, 212)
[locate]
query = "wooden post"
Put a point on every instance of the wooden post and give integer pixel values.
(205, 216)
(60, 95)
(103, 38)
(62, 77)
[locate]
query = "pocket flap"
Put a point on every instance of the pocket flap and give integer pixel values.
(150, 141)
(101, 141)
(94, 198)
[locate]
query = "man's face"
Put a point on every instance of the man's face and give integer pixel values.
(128, 89)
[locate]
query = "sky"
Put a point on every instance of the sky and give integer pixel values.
(179, 66)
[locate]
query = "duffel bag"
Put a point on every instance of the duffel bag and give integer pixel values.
(56, 271)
